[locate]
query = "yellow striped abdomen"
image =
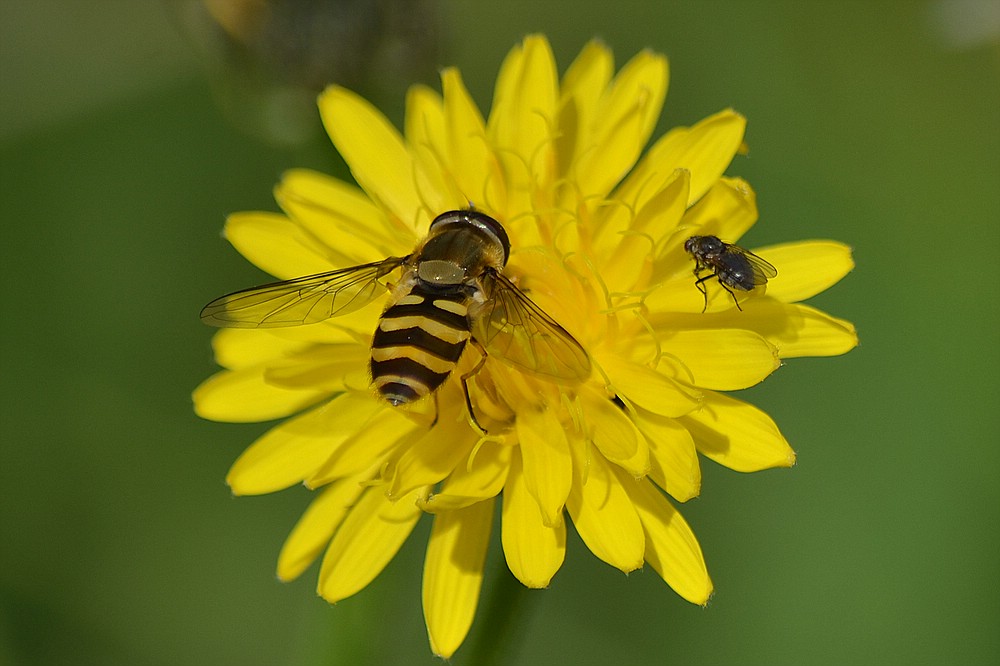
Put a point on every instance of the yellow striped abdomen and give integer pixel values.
(418, 343)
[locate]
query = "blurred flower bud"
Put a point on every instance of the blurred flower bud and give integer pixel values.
(269, 59)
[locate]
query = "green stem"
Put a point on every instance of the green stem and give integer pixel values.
(504, 622)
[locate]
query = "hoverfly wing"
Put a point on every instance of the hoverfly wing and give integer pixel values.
(304, 300)
(509, 325)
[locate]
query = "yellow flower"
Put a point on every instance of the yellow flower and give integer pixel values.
(597, 232)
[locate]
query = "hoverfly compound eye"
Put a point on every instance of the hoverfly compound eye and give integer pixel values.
(481, 221)
(492, 227)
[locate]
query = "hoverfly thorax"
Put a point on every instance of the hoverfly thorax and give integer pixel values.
(460, 245)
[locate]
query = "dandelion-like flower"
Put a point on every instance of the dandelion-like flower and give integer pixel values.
(597, 233)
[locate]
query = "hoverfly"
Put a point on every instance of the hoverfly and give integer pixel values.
(451, 290)
(735, 267)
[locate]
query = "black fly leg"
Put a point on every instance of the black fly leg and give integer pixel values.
(733, 294)
(700, 284)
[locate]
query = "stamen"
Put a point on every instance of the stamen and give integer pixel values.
(483, 439)
(657, 354)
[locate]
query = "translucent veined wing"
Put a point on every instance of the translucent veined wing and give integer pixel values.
(304, 300)
(515, 330)
(762, 269)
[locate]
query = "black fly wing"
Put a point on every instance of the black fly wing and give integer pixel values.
(303, 300)
(511, 327)
(762, 270)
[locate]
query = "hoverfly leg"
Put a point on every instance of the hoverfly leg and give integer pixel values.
(465, 384)
(437, 410)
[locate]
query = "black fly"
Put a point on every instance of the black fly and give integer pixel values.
(734, 267)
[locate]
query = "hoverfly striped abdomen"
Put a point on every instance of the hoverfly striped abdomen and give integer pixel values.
(418, 342)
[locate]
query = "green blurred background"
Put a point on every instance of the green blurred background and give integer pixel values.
(130, 129)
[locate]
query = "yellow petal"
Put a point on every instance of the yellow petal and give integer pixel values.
(547, 464)
(471, 162)
(316, 526)
(738, 435)
(805, 268)
(293, 451)
(481, 477)
(453, 574)
(427, 139)
(632, 250)
(425, 125)
(389, 430)
(727, 210)
(794, 329)
(431, 458)
(603, 514)
(705, 149)
(582, 87)
(237, 348)
(277, 245)
(648, 388)
(534, 551)
(331, 367)
(367, 540)
(522, 120)
(673, 456)
(243, 396)
(725, 359)
(341, 217)
(626, 116)
(671, 547)
(614, 434)
(378, 158)
(680, 295)
(814, 333)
